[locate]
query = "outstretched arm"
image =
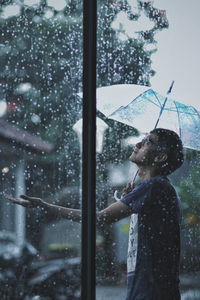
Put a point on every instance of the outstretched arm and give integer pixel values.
(112, 213)
(56, 211)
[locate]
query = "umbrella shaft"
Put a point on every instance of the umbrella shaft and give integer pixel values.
(162, 108)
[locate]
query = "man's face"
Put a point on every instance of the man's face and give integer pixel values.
(144, 152)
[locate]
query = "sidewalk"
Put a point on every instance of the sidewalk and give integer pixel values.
(190, 289)
(110, 292)
(119, 293)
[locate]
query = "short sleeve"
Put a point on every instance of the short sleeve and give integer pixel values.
(139, 199)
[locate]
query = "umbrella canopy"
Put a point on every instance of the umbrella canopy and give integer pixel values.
(110, 98)
(140, 106)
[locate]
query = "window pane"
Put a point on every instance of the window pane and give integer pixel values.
(41, 75)
(143, 43)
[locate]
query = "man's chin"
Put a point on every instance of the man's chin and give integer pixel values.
(132, 159)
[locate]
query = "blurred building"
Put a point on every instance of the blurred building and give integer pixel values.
(17, 147)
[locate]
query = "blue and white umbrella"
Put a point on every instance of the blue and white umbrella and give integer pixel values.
(143, 108)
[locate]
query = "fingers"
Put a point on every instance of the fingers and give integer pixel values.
(17, 201)
(130, 185)
(8, 197)
(128, 188)
(133, 185)
(25, 197)
(26, 201)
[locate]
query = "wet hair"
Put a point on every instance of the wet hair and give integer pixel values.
(170, 143)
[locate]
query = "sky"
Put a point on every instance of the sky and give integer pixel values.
(178, 55)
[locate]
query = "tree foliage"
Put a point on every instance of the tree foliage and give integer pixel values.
(189, 191)
(41, 64)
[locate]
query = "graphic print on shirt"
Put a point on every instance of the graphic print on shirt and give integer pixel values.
(132, 246)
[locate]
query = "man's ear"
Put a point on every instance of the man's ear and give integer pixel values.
(161, 158)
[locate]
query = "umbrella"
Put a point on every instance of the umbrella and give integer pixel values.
(144, 108)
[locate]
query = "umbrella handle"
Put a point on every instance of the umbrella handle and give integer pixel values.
(115, 196)
(115, 193)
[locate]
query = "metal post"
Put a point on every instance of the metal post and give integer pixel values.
(88, 278)
(20, 216)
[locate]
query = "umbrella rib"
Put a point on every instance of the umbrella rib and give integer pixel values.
(178, 118)
(156, 97)
(197, 112)
(187, 107)
(151, 101)
(141, 94)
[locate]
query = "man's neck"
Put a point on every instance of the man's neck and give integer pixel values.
(147, 173)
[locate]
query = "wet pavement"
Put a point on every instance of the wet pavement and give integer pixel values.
(119, 293)
(190, 289)
(190, 286)
(110, 292)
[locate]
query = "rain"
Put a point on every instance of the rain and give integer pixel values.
(41, 68)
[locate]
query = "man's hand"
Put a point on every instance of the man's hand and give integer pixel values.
(128, 188)
(48, 209)
(29, 202)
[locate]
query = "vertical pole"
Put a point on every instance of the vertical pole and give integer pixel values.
(20, 216)
(88, 250)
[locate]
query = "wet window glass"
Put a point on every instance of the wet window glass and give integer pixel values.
(139, 43)
(147, 57)
(41, 75)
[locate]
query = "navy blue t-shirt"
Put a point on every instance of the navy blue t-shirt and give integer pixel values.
(154, 241)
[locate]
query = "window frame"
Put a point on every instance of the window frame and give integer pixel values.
(88, 241)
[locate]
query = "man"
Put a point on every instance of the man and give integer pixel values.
(154, 238)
